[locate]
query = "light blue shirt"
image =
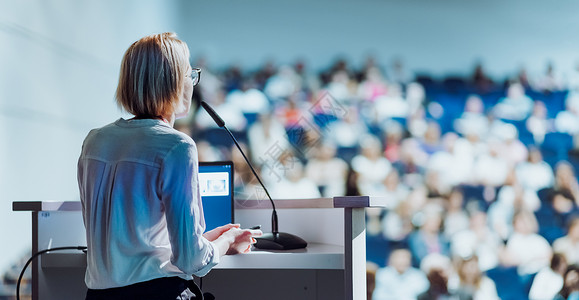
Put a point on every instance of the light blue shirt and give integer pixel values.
(138, 182)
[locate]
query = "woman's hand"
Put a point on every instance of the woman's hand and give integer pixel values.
(236, 240)
(242, 240)
(213, 234)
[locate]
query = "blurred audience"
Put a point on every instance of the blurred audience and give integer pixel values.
(470, 169)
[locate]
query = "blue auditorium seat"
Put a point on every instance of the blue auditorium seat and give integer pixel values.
(377, 249)
(490, 99)
(509, 287)
(556, 147)
(218, 137)
(453, 106)
(250, 118)
(573, 159)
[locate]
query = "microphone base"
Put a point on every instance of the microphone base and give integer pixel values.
(279, 241)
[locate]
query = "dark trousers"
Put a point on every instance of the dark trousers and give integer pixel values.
(167, 288)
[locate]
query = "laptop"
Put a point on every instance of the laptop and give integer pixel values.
(216, 187)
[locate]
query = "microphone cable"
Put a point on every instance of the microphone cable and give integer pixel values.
(35, 255)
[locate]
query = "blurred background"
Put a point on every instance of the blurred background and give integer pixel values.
(464, 113)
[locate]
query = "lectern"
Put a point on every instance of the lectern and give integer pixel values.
(333, 266)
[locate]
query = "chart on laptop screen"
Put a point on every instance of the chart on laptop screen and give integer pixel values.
(216, 187)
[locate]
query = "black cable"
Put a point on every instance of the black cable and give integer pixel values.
(81, 248)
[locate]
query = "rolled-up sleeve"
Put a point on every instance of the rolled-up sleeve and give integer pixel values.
(191, 252)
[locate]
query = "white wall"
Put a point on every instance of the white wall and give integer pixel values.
(59, 62)
(441, 36)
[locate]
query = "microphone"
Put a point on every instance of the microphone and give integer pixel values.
(270, 241)
(214, 115)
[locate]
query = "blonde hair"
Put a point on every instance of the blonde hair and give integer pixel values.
(152, 75)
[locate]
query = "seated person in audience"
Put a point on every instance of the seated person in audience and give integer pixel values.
(248, 99)
(516, 195)
(473, 284)
(417, 123)
(267, 139)
(516, 106)
(393, 190)
(428, 239)
(473, 120)
(291, 113)
(549, 281)
(430, 142)
(525, 249)
(415, 96)
(556, 214)
(397, 223)
(455, 217)
(535, 174)
(570, 290)
(340, 87)
(567, 121)
(371, 166)
(565, 179)
(411, 163)
(538, 124)
(391, 105)
(373, 86)
(568, 245)
(399, 280)
(392, 141)
(510, 198)
(282, 84)
(438, 270)
(293, 184)
(436, 188)
(490, 168)
(478, 240)
(512, 149)
(346, 133)
(455, 164)
(327, 171)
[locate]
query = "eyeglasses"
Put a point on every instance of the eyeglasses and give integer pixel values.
(195, 75)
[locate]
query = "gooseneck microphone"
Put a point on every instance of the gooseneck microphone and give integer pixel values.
(275, 240)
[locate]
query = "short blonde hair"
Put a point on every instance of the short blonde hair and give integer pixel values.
(152, 74)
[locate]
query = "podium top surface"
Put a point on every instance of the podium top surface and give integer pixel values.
(336, 202)
(46, 206)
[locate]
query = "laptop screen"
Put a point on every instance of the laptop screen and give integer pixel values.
(216, 187)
